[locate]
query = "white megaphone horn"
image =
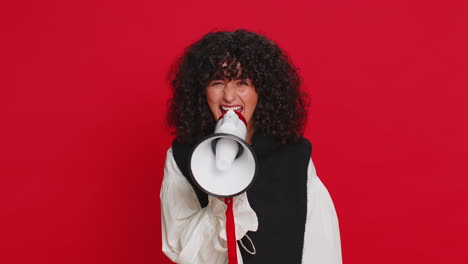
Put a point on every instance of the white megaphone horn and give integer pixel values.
(223, 164)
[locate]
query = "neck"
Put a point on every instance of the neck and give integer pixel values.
(248, 137)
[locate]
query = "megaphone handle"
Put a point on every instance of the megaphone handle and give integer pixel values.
(231, 231)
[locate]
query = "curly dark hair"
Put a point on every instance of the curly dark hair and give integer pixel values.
(281, 108)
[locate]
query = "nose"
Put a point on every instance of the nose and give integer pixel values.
(229, 93)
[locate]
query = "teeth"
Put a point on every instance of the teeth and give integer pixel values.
(231, 108)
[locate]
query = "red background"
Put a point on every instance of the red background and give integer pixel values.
(83, 140)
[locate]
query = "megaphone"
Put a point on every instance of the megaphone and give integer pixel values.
(223, 164)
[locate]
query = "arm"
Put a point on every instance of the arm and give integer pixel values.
(322, 236)
(191, 234)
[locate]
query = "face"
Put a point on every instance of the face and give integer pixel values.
(239, 95)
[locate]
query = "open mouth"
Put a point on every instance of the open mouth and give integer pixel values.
(235, 108)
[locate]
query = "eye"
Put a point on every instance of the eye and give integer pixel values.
(216, 83)
(242, 83)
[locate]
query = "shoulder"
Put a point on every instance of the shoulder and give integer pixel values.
(267, 145)
(302, 147)
(303, 143)
(171, 166)
(181, 153)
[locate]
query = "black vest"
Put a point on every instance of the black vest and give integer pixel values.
(278, 196)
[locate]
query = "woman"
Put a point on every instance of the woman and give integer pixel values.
(287, 216)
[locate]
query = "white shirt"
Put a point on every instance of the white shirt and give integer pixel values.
(195, 235)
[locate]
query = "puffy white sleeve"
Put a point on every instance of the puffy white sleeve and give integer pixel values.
(322, 235)
(192, 234)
